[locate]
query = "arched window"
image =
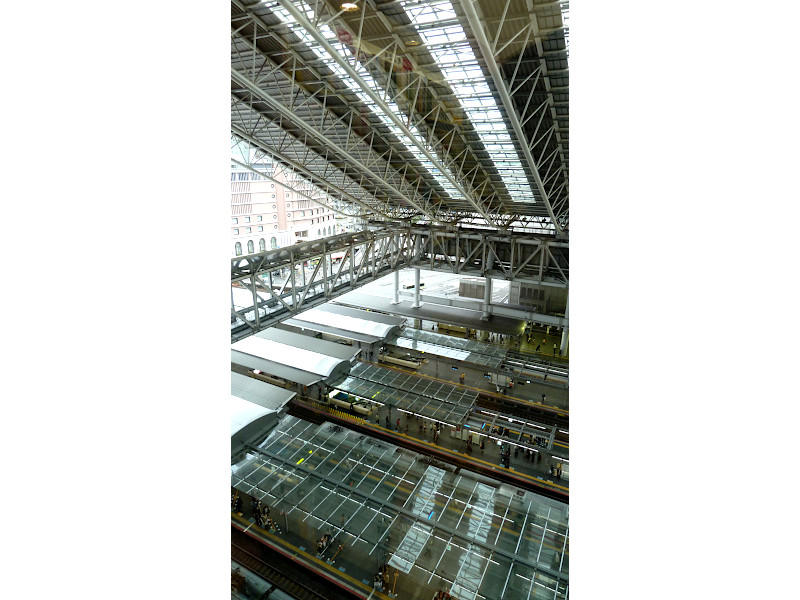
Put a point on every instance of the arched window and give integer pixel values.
(250, 247)
(238, 248)
(262, 245)
(273, 243)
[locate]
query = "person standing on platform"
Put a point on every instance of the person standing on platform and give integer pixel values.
(387, 421)
(461, 378)
(555, 349)
(538, 347)
(398, 423)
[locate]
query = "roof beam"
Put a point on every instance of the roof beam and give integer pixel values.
(508, 103)
(303, 21)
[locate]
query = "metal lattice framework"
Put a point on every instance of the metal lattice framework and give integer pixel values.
(318, 271)
(434, 110)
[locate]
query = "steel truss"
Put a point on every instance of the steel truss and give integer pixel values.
(528, 65)
(368, 119)
(367, 255)
(305, 123)
(318, 271)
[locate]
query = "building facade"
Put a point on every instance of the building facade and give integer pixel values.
(273, 214)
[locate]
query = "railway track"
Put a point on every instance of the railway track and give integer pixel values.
(274, 576)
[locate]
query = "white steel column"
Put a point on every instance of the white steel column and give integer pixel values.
(416, 289)
(565, 334)
(487, 298)
(396, 287)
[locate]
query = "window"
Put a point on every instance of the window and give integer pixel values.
(287, 195)
(318, 234)
(287, 204)
(261, 228)
(274, 206)
(273, 195)
(235, 221)
(274, 226)
(274, 216)
(247, 219)
(238, 248)
(262, 245)
(272, 185)
(302, 213)
(248, 229)
(289, 215)
(273, 243)
(259, 218)
(250, 247)
(235, 232)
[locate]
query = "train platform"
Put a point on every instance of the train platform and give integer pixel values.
(444, 370)
(423, 432)
(390, 511)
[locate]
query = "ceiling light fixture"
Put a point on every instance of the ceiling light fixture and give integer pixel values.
(349, 6)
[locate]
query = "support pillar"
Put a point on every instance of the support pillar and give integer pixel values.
(565, 333)
(487, 298)
(396, 287)
(416, 289)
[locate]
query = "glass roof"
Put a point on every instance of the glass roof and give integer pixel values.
(473, 351)
(409, 402)
(448, 45)
(445, 40)
(434, 528)
(354, 88)
(418, 385)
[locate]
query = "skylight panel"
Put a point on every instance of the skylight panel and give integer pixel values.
(460, 69)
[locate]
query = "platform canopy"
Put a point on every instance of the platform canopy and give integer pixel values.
(440, 528)
(310, 342)
(250, 423)
(260, 392)
(326, 367)
(347, 323)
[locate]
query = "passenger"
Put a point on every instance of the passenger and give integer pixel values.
(398, 424)
(516, 451)
(461, 378)
(387, 421)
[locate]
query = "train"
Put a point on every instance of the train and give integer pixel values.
(547, 373)
(397, 357)
(453, 329)
(350, 402)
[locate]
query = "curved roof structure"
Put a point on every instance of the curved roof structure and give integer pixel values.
(438, 111)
